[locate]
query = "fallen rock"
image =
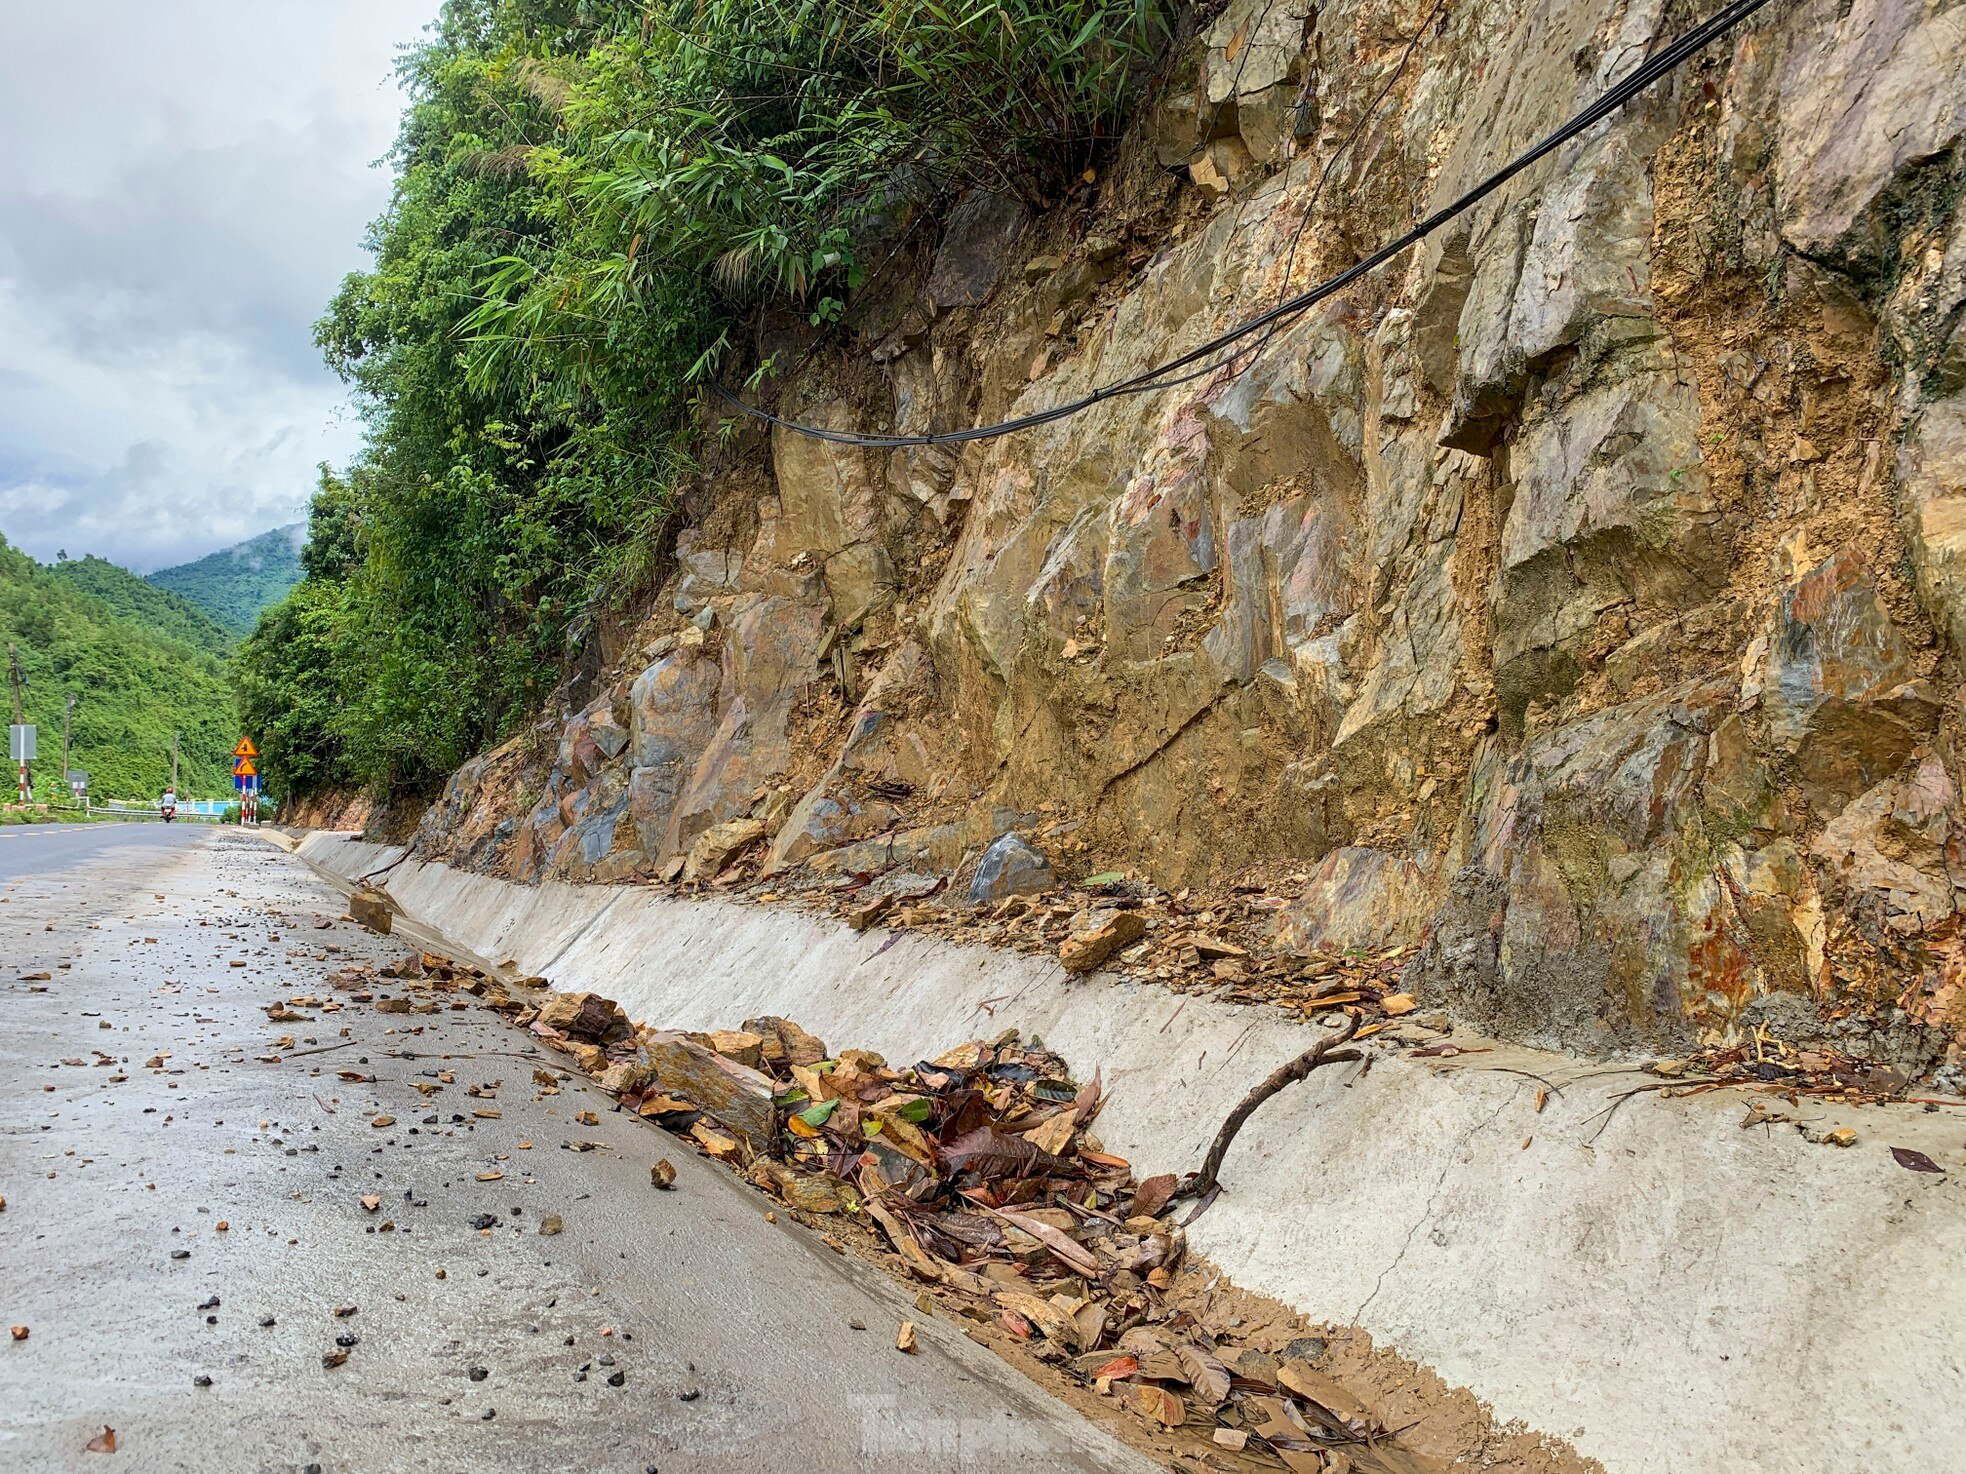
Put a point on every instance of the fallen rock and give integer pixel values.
(865, 913)
(736, 1044)
(624, 1076)
(737, 1097)
(718, 845)
(1097, 934)
(1011, 866)
(373, 909)
(786, 1041)
(583, 1016)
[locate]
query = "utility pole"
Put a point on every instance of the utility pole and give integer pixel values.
(174, 737)
(67, 715)
(19, 682)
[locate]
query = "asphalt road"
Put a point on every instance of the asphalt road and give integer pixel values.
(43, 849)
(183, 1202)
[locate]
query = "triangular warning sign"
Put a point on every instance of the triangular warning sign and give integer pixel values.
(244, 768)
(245, 748)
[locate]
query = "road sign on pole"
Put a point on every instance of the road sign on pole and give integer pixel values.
(20, 747)
(245, 748)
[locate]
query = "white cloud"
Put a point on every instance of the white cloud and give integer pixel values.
(183, 188)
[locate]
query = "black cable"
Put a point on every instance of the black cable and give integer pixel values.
(1151, 380)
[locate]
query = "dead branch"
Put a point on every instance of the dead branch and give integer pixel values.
(1325, 1052)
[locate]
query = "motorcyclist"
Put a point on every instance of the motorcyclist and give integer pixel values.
(167, 806)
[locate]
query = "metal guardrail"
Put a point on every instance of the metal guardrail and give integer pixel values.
(200, 811)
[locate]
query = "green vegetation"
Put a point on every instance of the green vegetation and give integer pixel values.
(233, 585)
(143, 603)
(136, 684)
(594, 200)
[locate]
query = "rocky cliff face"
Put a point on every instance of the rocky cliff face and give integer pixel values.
(1579, 600)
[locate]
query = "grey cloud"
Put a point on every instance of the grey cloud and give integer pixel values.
(182, 187)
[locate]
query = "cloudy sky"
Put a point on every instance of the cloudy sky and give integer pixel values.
(183, 183)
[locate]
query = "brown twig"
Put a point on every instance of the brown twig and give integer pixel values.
(1325, 1052)
(1617, 1100)
(324, 1049)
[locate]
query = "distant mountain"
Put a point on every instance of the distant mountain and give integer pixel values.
(140, 602)
(234, 584)
(135, 685)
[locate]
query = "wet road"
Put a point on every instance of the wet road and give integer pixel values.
(184, 1186)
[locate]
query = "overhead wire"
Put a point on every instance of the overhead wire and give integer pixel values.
(1154, 379)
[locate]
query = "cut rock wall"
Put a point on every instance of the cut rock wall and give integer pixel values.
(1578, 601)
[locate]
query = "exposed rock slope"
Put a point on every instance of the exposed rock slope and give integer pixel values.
(1581, 596)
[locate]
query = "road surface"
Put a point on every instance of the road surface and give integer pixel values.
(179, 1237)
(42, 849)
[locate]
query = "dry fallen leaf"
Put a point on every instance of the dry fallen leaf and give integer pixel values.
(1395, 1004)
(381, 1121)
(1914, 1161)
(587, 1118)
(714, 1142)
(904, 1339)
(103, 1443)
(490, 1176)
(1152, 1195)
(1206, 1375)
(1165, 1407)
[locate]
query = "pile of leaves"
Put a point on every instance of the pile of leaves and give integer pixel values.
(981, 1171)
(1785, 1068)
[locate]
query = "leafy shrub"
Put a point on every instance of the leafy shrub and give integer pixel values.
(591, 198)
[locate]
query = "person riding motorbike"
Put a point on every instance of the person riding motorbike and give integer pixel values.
(167, 806)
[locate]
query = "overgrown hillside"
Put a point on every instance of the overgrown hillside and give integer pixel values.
(143, 603)
(136, 685)
(233, 585)
(595, 204)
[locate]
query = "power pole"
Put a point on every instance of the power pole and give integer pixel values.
(67, 715)
(174, 737)
(19, 681)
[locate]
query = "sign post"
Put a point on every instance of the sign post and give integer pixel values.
(20, 747)
(245, 778)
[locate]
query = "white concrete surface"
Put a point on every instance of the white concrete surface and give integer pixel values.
(1674, 1294)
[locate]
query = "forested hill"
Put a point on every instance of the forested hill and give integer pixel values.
(136, 684)
(234, 584)
(137, 599)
